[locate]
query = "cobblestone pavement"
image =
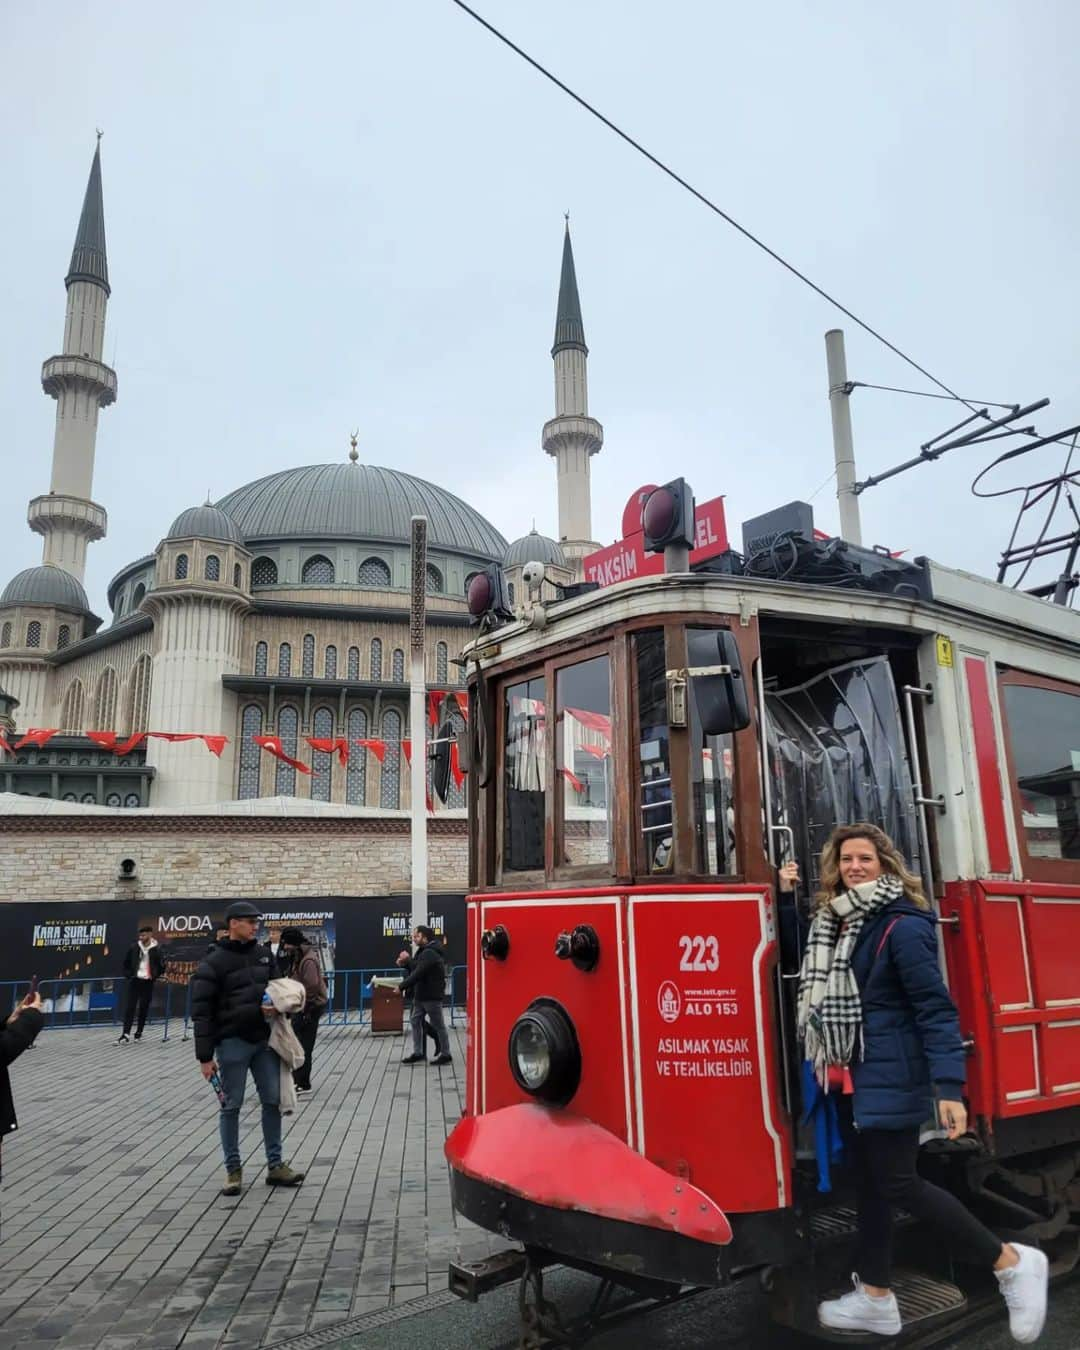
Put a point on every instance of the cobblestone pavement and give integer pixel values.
(114, 1236)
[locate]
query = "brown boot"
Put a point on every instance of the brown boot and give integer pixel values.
(283, 1175)
(232, 1183)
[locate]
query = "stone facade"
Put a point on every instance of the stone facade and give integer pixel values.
(220, 857)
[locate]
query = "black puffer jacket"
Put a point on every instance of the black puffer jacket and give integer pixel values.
(226, 995)
(15, 1037)
(131, 961)
(426, 975)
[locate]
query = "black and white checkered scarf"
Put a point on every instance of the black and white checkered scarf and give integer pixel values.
(830, 1011)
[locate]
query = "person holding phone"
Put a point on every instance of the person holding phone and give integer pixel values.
(17, 1035)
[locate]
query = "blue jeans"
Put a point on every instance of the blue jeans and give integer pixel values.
(235, 1056)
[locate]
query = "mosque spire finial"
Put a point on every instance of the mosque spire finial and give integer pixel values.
(353, 453)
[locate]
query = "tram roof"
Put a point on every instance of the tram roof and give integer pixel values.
(958, 599)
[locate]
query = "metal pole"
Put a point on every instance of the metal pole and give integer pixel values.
(843, 445)
(418, 723)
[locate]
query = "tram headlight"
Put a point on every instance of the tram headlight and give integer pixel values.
(545, 1058)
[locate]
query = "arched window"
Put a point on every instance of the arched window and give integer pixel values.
(180, 570)
(318, 571)
(105, 700)
(113, 799)
(376, 660)
(251, 721)
(260, 658)
(373, 572)
(353, 668)
(264, 572)
(433, 580)
(132, 799)
(212, 568)
(455, 796)
(284, 659)
(322, 724)
(119, 606)
(88, 798)
(33, 633)
(69, 797)
(510, 591)
(137, 702)
(288, 725)
(71, 715)
(356, 775)
(390, 785)
(5, 635)
(138, 596)
(237, 576)
(330, 663)
(397, 666)
(307, 657)
(63, 637)
(468, 581)
(442, 663)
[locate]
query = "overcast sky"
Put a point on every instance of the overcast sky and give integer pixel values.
(350, 215)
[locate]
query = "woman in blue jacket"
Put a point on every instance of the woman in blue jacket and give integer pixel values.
(875, 1016)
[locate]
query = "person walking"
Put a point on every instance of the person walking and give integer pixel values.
(16, 1035)
(143, 965)
(304, 965)
(230, 1012)
(877, 1022)
(426, 977)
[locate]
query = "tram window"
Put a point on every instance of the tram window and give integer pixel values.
(1044, 737)
(583, 762)
(714, 774)
(524, 774)
(654, 809)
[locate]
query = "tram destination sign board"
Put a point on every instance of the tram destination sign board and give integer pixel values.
(627, 558)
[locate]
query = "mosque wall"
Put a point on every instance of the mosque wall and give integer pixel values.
(48, 858)
(80, 696)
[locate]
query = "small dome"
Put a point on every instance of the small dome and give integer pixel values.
(533, 547)
(46, 585)
(205, 522)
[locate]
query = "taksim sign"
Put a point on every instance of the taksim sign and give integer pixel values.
(627, 558)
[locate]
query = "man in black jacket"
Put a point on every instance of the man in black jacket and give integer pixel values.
(426, 977)
(231, 1022)
(143, 964)
(16, 1035)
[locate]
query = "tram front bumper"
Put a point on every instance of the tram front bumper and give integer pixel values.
(562, 1183)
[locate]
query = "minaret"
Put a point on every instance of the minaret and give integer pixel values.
(81, 384)
(572, 436)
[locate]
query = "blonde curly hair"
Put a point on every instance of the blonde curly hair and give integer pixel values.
(888, 854)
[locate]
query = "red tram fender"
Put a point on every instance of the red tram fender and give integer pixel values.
(565, 1162)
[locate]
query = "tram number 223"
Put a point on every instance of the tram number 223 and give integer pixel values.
(699, 953)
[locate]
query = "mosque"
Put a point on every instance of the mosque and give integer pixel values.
(279, 611)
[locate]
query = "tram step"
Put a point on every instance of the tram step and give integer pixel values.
(922, 1299)
(470, 1279)
(839, 1221)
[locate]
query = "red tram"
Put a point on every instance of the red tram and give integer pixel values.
(642, 759)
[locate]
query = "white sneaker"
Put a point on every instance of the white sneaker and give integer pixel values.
(1023, 1287)
(859, 1311)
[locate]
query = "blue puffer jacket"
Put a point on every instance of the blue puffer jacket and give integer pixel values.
(911, 1030)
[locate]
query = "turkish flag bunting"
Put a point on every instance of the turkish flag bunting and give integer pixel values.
(434, 699)
(331, 745)
(4, 744)
(126, 747)
(574, 781)
(106, 739)
(174, 736)
(455, 764)
(599, 751)
(215, 744)
(593, 720)
(377, 748)
(462, 702)
(38, 736)
(406, 749)
(273, 744)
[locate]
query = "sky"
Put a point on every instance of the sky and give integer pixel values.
(349, 216)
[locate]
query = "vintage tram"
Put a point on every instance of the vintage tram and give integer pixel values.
(643, 757)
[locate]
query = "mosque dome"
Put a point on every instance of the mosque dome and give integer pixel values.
(358, 501)
(205, 522)
(46, 585)
(533, 547)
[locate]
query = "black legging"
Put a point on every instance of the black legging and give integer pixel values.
(886, 1178)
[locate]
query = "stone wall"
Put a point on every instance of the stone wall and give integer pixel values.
(205, 857)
